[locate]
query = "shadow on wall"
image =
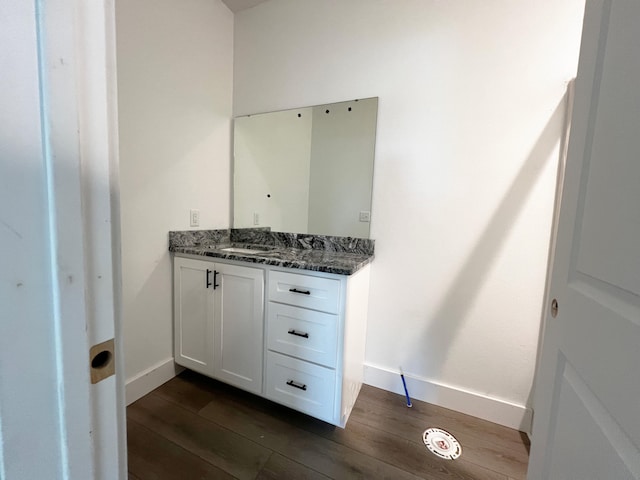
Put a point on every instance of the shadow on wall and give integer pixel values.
(147, 302)
(452, 314)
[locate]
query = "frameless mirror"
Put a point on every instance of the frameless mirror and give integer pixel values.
(306, 170)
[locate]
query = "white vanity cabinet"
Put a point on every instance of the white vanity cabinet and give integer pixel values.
(218, 320)
(309, 344)
(316, 329)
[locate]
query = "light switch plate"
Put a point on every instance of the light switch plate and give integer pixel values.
(194, 216)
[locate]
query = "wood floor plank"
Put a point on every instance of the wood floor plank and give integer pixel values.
(152, 457)
(387, 446)
(474, 465)
(322, 455)
(406, 454)
(407, 428)
(191, 390)
(281, 468)
(383, 438)
(223, 448)
(499, 435)
(335, 452)
(410, 424)
(377, 443)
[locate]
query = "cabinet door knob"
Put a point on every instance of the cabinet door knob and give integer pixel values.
(215, 279)
(291, 383)
(208, 278)
(298, 334)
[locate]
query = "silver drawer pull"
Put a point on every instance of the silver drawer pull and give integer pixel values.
(303, 292)
(291, 383)
(298, 334)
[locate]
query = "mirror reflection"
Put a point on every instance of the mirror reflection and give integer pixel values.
(306, 170)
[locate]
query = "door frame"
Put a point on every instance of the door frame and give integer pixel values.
(78, 94)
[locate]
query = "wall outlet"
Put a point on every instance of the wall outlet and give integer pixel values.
(256, 218)
(194, 217)
(365, 216)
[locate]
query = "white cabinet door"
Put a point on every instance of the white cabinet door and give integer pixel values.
(194, 307)
(238, 326)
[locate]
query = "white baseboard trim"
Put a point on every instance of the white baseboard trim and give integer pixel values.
(150, 379)
(472, 403)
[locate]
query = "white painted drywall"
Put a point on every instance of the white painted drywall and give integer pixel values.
(174, 86)
(469, 121)
(272, 155)
(342, 148)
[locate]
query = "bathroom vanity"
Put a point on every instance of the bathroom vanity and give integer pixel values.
(282, 316)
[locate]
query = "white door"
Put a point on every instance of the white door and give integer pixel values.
(587, 398)
(59, 267)
(194, 304)
(238, 331)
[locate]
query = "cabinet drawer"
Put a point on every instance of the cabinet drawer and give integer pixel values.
(305, 291)
(302, 333)
(301, 385)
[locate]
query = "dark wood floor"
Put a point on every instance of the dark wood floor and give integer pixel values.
(196, 428)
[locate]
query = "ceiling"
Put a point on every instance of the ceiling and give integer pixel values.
(238, 5)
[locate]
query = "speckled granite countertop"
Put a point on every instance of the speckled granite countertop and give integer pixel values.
(320, 253)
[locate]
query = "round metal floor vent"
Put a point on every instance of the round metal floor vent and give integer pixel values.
(442, 443)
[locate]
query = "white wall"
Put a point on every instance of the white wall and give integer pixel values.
(470, 115)
(175, 61)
